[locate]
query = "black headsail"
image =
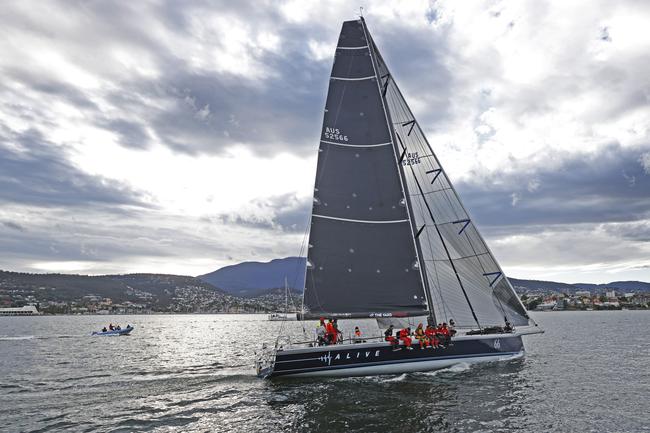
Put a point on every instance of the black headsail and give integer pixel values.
(362, 258)
(465, 280)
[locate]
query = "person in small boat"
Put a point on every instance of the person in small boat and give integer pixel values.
(118, 328)
(110, 326)
(388, 336)
(432, 340)
(420, 336)
(405, 337)
(104, 329)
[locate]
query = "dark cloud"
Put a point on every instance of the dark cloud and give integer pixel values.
(13, 225)
(131, 134)
(35, 171)
(580, 188)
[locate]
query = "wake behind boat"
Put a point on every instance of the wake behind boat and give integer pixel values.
(390, 240)
(113, 332)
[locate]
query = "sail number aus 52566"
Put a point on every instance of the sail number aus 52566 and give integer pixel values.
(334, 134)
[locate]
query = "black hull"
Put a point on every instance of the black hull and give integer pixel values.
(380, 358)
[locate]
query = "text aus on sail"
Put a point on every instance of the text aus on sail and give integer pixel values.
(334, 134)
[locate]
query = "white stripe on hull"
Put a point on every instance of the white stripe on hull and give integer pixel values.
(406, 367)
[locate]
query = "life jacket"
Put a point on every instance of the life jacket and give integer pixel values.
(330, 329)
(419, 332)
(357, 333)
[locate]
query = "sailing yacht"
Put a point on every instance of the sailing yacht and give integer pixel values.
(283, 317)
(390, 239)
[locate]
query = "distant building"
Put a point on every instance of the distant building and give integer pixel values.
(610, 293)
(27, 310)
(583, 293)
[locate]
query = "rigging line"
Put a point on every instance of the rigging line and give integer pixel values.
(444, 244)
(375, 65)
(302, 248)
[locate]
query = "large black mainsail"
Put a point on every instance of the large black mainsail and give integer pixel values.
(389, 235)
(362, 259)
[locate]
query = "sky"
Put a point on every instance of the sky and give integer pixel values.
(180, 137)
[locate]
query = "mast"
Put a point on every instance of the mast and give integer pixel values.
(286, 296)
(407, 201)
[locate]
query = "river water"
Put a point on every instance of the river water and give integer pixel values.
(590, 372)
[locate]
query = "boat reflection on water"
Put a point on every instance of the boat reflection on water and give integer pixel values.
(459, 398)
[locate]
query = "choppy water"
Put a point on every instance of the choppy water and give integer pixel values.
(589, 372)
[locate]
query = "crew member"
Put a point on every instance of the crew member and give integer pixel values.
(444, 332)
(357, 335)
(452, 327)
(405, 336)
(331, 332)
(421, 337)
(338, 337)
(321, 333)
(430, 332)
(388, 336)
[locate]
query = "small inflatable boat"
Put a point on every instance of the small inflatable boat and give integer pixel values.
(124, 331)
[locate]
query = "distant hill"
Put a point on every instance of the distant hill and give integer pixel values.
(620, 286)
(120, 288)
(541, 286)
(254, 278)
(623, 286)
(156, 292)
